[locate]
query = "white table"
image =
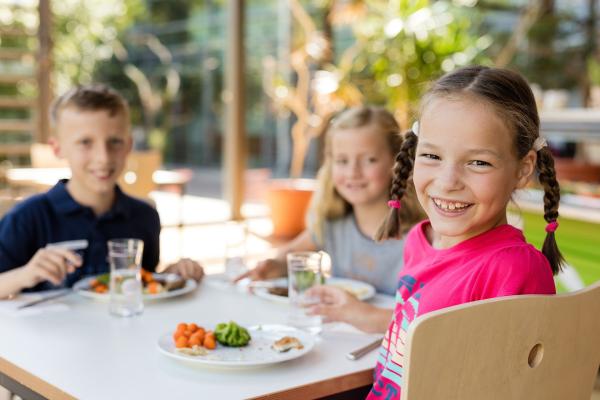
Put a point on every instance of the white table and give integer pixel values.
(83, 352)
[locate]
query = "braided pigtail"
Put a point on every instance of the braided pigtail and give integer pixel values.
(405, 160)
(547, 177)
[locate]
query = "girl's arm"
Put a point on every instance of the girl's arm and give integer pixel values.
(338, 305)
(277, 266)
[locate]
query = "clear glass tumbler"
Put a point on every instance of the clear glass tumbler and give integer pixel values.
(125, 290)
(304, 272)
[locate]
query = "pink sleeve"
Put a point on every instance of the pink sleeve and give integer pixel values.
(512, 271)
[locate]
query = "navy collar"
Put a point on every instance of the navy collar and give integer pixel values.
(63, 203)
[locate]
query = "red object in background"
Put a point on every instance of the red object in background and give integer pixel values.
(569, 169)
(288, 200)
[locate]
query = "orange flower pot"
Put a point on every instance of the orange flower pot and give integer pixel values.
(288, 200)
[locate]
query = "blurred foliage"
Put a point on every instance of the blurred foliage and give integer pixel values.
(83, 31)
(593, 71)
(402, 45)
(396, 47)
(376, 51)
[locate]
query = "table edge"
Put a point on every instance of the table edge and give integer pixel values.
(32, 382)
(323, 388)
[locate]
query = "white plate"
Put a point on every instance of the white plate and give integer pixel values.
(82, 287)
(258, 352)
(362, 290)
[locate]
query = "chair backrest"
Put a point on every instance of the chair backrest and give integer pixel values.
(6, 203)
(42, 156)
(136, 179)
(519, 347)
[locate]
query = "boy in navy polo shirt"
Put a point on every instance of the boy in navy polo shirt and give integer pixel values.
(92, 133)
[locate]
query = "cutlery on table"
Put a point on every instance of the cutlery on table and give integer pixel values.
(358, 353)
(44, 299)
(265, 284)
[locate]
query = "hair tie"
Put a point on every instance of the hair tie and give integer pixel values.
(415, 128)
(539, 144)
(394, 204)
(552, 226)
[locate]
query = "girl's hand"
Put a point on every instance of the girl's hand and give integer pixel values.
(187, 269)
(266, 269)
(337, 305)
(49, 264)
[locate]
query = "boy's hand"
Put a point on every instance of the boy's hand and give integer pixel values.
(50, 264)
(188, 269)
(266, 269)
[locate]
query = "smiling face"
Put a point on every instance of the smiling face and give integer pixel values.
(466, 168)
(362, 165)
(96, 146)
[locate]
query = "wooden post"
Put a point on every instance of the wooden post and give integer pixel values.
(235, 133)
(43, 74)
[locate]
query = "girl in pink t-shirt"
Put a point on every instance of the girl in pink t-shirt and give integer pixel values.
(476, 142)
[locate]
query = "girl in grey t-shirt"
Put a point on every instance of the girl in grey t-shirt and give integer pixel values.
(350, 202)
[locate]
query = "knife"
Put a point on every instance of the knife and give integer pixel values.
(44, 299)
(358, 353)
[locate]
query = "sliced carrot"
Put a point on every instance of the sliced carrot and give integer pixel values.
(198, 334)
(153, 287)
(182, 326)
(194, 341)
(209, 341)
(147, 276)
(181, 342)
(100, 288)
(178, 334)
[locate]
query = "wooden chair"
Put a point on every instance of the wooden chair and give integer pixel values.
(7, 202)
(42, 156)
(517, 347)
(136, 179)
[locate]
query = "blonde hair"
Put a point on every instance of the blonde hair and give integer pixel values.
(327, 203)
(93, 97)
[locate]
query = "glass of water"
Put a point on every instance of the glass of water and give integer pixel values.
(235, 249)
(304, 272)
(125, 290)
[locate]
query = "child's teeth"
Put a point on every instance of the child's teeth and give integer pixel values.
(449, 206)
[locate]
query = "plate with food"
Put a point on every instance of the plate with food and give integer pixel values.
(230, 345)
(277, 289)
(155, 286)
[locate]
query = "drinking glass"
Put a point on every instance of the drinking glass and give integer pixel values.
(235, 249)
(304, 272)
(125, 290)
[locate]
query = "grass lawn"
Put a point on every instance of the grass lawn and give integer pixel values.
(579, 242)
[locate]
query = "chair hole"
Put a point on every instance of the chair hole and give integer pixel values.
(535, 355)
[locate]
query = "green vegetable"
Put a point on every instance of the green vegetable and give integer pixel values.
(306, 279)
(232, 334)
(104, 278)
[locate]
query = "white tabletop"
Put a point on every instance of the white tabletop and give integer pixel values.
(79, 349)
